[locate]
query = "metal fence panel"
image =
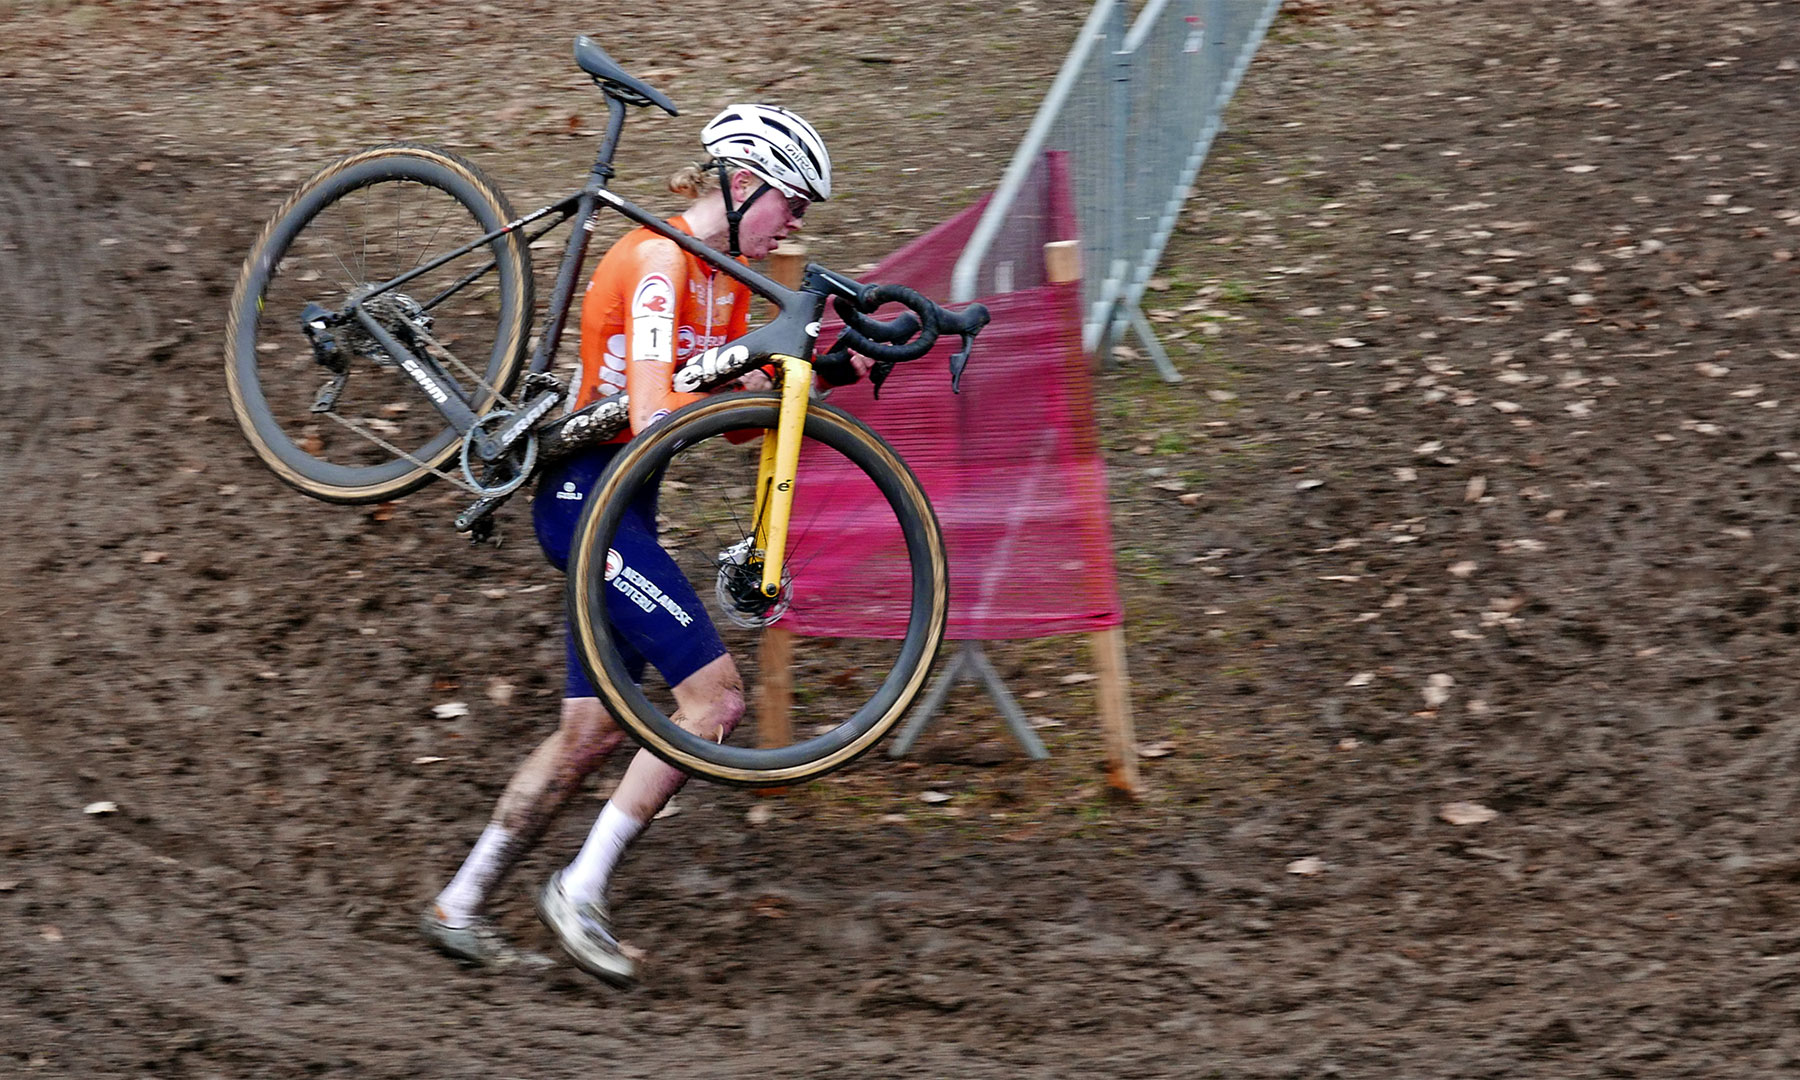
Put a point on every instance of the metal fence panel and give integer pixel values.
(1135, 109)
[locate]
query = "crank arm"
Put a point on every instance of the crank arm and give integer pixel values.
(479, 511)
(530, 415)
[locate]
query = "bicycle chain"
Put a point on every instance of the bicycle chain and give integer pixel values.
(464, 368)
(392, 449)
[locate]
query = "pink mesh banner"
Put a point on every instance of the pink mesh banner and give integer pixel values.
(1011, 465)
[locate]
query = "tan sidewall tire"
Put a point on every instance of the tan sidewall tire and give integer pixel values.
(252, 278)
(619, 699)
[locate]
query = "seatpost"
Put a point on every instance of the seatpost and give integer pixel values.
(615, 126)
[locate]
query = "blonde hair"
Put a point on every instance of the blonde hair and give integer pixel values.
(693, 180)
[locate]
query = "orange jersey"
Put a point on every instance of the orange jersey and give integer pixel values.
(649, 307)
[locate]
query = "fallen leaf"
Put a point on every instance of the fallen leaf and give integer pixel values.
(1221, 396)
(1463, 569)
(1361, 678)
(1437, 689)
(933, 797)
(427, 760)
(100, 808)
(1712, 370)
(1077, 677)
(1311, 866)
(1156, 749)
(450, 710)
(1476, 488)
(1347, 343)
(1308, 485)
(1192, 498)
(669, 810)
(499, 691)
(154, 556)
(760, 814)
(50, 933)
(1467, 813)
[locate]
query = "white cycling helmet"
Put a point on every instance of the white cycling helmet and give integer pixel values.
(773, 143)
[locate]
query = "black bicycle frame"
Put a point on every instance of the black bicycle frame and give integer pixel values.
(793, 332)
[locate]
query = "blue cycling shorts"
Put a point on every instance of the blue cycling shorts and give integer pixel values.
(655, 615)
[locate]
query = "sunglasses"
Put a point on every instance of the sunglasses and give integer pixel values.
(797, 205)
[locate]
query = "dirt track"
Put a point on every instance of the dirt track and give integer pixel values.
(1558, 468)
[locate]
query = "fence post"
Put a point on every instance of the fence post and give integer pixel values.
(1062, 264)
(1119, 128)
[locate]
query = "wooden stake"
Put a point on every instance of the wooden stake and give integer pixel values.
(1062, 261)
(775, 693)
(787, 264)
(1114, 696)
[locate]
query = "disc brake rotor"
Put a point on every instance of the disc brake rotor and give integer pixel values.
(739, 588)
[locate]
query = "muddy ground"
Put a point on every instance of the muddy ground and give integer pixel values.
(1487, 314)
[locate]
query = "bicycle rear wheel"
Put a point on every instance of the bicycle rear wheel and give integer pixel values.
(361, 222)
(864, 599)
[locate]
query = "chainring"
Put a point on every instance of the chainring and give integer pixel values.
(504, 474)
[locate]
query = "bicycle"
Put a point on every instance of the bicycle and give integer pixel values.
(304, 310)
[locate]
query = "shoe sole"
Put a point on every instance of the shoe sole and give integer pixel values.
(621, 980)
(466, 950)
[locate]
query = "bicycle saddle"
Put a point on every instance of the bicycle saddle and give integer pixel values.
(613, 80)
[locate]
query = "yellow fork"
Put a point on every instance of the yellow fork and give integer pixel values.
(776, 470)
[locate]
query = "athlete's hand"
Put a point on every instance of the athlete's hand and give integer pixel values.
(755, 380)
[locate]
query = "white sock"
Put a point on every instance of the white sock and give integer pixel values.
(586, 878)
(466, 894)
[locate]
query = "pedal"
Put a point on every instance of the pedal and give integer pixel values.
(485, 532)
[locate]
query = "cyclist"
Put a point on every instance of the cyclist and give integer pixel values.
(649, 307)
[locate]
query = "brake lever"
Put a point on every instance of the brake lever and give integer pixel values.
(972, 320)
(960, 360)
(878, 374)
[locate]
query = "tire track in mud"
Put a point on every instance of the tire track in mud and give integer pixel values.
(68, 310)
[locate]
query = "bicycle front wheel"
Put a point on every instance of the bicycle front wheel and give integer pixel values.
(860, 616)
(346, 234)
